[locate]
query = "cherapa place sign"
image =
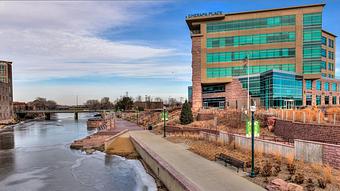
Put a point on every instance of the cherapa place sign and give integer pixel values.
(204, 14)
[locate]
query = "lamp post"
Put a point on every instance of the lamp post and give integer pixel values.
(164, 135)
(137, 115)
(252, 173)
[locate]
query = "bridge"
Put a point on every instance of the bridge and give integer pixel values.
(48, 113)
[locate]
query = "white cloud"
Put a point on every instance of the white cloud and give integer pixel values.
(60, 39)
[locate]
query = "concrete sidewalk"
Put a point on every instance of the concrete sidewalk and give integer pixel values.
(204, 174)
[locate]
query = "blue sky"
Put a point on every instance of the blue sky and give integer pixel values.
(94, 49)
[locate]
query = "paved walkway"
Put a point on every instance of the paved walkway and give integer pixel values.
(123, 124)
(206, 175)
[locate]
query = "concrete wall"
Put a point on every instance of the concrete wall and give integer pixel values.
(268, 147)
(311, 132)
(304, 150)
(316, 152)
(172, 179)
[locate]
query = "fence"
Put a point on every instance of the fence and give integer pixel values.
(307, 116)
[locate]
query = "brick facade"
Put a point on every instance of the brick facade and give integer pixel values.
(311, 132)
(196, 73)
(6, 94)
(331, 155)
(235, 95)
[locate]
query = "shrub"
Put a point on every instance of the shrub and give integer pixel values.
(322, 183)
(327, 173)
(266, 170)
(276, 170)
(299, 178)
(186, 114)
(310, 185)
(290, 164)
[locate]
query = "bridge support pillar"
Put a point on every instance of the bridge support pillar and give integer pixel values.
(76, 115)
(47, 116)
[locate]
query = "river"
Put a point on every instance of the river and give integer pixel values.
(43, 161)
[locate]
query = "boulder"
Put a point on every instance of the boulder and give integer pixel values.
(277, 185)
(294, 187)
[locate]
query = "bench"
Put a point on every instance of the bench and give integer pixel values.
(230, 160)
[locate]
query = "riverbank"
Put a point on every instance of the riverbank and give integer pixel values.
(44, 158)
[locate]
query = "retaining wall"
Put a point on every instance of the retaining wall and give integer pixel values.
(241, 141)
(172, 179)
(304, 131)
(304, 150)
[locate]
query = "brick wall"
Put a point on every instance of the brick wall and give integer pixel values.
(196, 74)
(331, 155)
(312, 132)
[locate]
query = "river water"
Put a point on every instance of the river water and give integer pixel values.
(43, 161)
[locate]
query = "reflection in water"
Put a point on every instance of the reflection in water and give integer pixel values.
(43, 161)
(6, 139)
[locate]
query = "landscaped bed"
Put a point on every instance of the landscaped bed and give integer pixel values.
(270, 167)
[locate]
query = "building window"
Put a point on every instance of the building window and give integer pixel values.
(318, 85)
(323, 52)
(334, 87)
(241, 71)
(324, 40)
(309, 99)
(323, 65)
(250, 39)
(331, 43)
(326, 100)
(213, 89)
(251, 23)
(334, 100)
(313, 35)
(331, 55)
(308, 84)
(318, 100)
(326, 86)
(253, 55)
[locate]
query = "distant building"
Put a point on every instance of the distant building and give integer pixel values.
(290, 42)
(6, 91)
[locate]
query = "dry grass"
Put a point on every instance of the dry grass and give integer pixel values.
(290, 158)
(314, 172)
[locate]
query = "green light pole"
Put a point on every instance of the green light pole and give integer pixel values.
(164, 135)
(252, 173)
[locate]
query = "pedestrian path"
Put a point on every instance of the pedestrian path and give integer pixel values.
(204, 174)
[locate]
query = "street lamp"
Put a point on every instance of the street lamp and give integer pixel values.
(137, 115)
(252, 109)
(164, 109)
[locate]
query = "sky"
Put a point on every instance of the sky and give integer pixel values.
(64, 49)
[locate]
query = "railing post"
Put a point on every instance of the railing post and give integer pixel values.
(282, 114)
(304, 117)
(319, 117)
(293, 116)
(334, 116)
(286, 115)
